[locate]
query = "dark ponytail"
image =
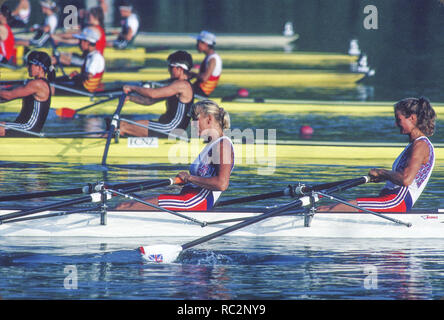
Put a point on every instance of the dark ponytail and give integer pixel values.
(422, 109)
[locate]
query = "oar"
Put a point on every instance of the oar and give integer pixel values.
(9, 66)
(52, 135)
(164, 83)
(70, 113)
(131, 197)
(72, 90)
(56, 54)
(289, 191)
(61, 85)
(31, 133)
(304, 190)
(407, 224)
(48, 215)
(88, 188)
(169, 253)
(11, 82)
(113, 127)
(53, 206)
(93, 197)
(42, 194)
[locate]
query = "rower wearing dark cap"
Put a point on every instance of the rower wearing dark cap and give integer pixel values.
(179, 98)
(36, 94)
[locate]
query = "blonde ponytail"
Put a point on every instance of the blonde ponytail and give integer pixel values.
(208, 107)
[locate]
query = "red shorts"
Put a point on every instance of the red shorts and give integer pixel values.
(392, 202)
(187, 200)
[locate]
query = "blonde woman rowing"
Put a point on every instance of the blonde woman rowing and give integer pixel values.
(209, 175)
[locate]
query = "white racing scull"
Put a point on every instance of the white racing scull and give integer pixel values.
(297, 218)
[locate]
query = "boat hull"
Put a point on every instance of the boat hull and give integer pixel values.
(138, 224)
(188, 40)
(281, 106)
(237, 77)
(263, 154)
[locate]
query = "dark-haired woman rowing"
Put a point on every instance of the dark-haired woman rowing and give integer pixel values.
(36, 95)
(178, 94)
(413, 167)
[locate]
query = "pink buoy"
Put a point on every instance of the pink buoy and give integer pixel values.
(306, 131)
(242, 93)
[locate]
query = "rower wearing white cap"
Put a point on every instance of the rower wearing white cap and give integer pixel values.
(130, 27)
(95, 20)
(44, 31)
(211, 68)
(94, 66)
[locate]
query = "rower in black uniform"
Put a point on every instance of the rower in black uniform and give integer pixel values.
(177, 92)
(36, 94)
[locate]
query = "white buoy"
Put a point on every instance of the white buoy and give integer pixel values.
(354, 48)
(288, 29)
(363, 64)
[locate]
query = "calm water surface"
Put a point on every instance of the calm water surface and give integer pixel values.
(225, 268)
(235, 268)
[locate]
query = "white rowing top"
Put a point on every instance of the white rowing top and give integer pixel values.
(205, 164)
(218, 68)
(422, 177)
(94, 63)
(52, 22)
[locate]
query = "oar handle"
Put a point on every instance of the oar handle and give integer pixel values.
(89, 188)
(178, 180)
(303, 189)
(147, 185)
(93, 197)
(47, 207)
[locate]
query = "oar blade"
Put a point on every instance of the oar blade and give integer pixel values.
(66, 113)
(161, 253)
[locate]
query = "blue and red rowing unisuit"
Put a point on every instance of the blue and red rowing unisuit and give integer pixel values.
(397, 198)
(193, 197)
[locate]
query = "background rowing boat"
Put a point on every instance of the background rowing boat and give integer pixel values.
(263, 154)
